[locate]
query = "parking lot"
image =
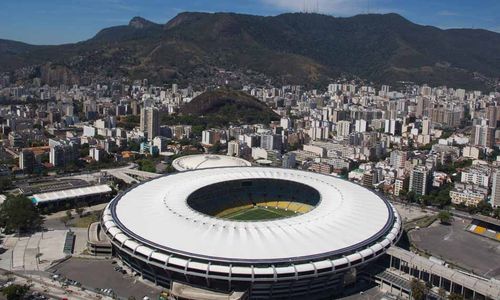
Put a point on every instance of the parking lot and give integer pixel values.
(459, 247)
(101, 273)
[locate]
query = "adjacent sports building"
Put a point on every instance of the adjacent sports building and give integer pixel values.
(205, 161)
(250, 232)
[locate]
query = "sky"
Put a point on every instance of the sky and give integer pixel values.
(68, 21)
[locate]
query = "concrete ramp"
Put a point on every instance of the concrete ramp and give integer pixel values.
(185, 291)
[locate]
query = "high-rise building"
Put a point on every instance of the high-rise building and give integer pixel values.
(483, 135)
(134, 107)
(150, 122)
(56, 156)
(161, 143)
(495, 189)
(400, 183)
(369, 178)
(385, 89)
(425, 90)
(343, 128)
(289, 161)
(233, 148)
(271, 141)
(420, 180)
(426, 127)
(96, 153)
(493, 115)
(393, 126)
(285, 123)
(460, 93)
(422, 104)
(398, 159)
(360, 125)
(251, 140)
(449, 115)
(27, 161)
(63, 154)
(210, 137)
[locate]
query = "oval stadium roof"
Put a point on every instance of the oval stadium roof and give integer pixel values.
(348, 218)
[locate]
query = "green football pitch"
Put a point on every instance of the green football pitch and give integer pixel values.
(259, 213)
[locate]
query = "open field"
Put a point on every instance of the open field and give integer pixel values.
(85, 221)
(259, 213)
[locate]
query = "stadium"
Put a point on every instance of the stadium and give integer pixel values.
(250, 232)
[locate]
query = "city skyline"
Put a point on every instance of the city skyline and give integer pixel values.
(60, 22)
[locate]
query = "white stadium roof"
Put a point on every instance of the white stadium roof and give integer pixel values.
(204, 161)
(71, 193)
(156, 214)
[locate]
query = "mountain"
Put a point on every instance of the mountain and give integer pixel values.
(290, 48)
(229, 107)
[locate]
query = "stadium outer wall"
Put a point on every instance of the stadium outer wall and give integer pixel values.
(317, 278)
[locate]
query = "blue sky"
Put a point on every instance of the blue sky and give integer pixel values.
(64, 21)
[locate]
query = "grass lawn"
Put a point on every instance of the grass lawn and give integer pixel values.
(259, 213)
(423, 222)
(85, 221)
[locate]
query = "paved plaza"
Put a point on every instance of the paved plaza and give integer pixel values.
(459, 247)
(100, 273)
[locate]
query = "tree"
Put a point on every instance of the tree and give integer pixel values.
(65, 220)
(445, 217)
(455, 296)
(442, 293)
(69, 214)
(418, 289)
(484, 208)
(411, 196)
(79, 209)
(19, 214)
(133, 146)
(496, 213)
(5, 183)
(147, 165)
(216, 148)
(15, 291)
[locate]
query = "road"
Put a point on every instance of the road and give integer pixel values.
(47, 286)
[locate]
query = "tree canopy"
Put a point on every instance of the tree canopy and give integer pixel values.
(445, 217)
(5, 183)
(418, 289)
(147, 165)
(19, 214)
(15, 291)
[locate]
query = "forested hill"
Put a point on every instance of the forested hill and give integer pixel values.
(292, 48)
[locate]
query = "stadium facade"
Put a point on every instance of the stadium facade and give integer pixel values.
(170, 230)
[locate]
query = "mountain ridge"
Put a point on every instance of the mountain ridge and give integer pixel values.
(290, 48)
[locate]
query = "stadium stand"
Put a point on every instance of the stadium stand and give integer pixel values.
(222, 200)
(485, 226)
